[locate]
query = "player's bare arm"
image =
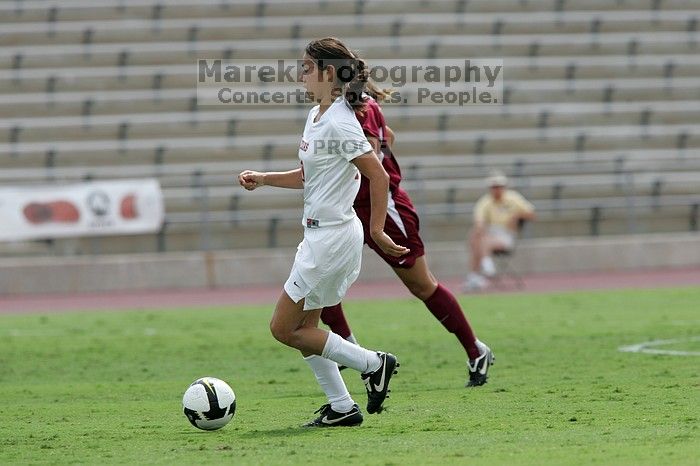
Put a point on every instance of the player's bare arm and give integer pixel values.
(528, 216)
(372, 169)
(375, 143)
(251, 180)
(390, 136)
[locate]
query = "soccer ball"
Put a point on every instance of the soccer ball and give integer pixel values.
(209, 403)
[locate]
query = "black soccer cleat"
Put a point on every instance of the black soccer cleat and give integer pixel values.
(330, 418)
(479, 367)
(377, 382)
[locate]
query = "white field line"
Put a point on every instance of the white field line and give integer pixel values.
(649, 347)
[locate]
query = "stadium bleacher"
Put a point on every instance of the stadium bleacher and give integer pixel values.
(601, 129)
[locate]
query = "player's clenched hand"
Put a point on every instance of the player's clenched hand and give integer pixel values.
(251, 180)
(388, 246)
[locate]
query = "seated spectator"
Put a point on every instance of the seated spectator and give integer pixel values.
(497, 215)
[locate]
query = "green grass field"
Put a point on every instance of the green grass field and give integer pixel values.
(106, 387)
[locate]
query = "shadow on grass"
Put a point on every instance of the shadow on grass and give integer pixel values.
(288, 432)
(258, 433)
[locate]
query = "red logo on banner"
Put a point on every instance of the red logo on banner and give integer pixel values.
(51, 212)
(128, 208)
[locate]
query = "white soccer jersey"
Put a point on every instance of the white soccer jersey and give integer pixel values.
(331, 181)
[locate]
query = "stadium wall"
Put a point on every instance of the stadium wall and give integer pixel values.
(218, 269)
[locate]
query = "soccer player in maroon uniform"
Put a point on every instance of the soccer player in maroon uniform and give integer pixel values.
(402, 225)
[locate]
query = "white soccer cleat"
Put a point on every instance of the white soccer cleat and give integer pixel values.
(479, 367)
(475, 282)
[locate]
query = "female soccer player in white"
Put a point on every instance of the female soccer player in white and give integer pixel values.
(333, 152)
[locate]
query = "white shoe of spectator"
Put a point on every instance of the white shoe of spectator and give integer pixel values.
(488, 267)
(475, 282)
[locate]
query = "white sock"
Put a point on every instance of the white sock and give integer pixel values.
(331, 382)
(352, 339)
(482, 346)
(348, 354)
(488, 266)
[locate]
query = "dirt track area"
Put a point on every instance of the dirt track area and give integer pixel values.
(164, 299)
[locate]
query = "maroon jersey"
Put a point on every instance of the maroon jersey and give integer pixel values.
(373, 124)
(402, 223)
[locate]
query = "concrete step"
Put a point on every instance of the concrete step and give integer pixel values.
(86, 10)
(264, 149)
(224, 122)
(183, 99)
(379, 48)
(293, 27)
(139, 77)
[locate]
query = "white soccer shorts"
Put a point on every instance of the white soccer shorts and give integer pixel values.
(502, 235)
(327, 262)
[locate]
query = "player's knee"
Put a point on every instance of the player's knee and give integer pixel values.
(280, 333)
(421, 293)
(286, 336)
(421, 290)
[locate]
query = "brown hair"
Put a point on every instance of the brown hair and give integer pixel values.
(376, 92)
(349, 68)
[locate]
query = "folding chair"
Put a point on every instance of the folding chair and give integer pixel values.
(504, 267)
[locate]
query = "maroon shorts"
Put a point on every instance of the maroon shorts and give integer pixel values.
(401, 225)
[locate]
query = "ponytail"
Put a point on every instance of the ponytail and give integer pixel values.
(376, 92)
(358, 85)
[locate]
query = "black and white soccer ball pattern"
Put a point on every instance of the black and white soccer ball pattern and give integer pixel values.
(209, 403)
